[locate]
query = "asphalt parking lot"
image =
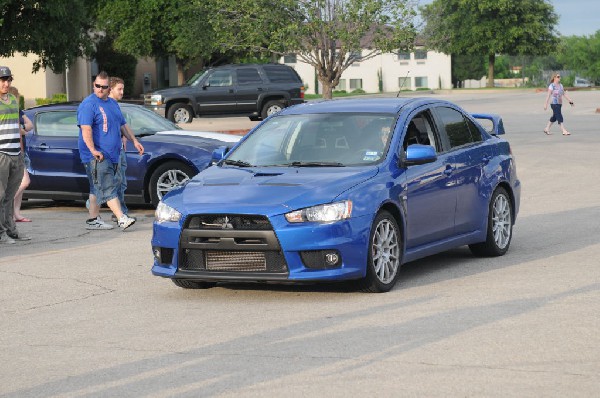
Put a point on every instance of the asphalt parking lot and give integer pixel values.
(83, 316)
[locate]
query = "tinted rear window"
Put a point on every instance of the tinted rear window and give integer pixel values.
(281, 74)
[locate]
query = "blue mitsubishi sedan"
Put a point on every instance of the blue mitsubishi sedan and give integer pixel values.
(342, 190)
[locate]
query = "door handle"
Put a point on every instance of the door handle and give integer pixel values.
(486, 159)
(448, 171)
(259, 89)
(42, 147)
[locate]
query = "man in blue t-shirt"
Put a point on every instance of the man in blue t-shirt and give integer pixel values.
(100, 119)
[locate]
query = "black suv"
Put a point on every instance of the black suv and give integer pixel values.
(255, 90)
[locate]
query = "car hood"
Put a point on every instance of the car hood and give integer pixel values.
(176, 91)
(203, 134)
(266, 190)
(188, 140)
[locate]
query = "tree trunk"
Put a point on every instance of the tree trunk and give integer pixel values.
(327, 89)
(491, 62)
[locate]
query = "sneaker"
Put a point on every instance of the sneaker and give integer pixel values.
(97, 223)
(125, 221)
(4, 238)
(18, 236)
(115, 219)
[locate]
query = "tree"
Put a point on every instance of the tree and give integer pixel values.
(581, 54)
(330, 35)
(467, 67)
(116, 63)
(490, 27)
(57, 31)
(160, 28)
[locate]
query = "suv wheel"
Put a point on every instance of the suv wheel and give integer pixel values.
(180, 113)
(271, 107)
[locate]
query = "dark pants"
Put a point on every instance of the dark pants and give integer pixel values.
(556, 113)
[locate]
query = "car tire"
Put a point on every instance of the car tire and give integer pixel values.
(180, 113)
(271, 107)
(499, 229)
(167, 176)
(187, 284)
(384, 255)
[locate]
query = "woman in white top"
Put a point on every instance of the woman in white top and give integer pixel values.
(556, 91)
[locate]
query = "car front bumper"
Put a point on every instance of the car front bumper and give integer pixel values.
(301, 247)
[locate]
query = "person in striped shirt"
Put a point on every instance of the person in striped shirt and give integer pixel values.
(11, 158)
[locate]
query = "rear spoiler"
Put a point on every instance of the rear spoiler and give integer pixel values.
(497, 125)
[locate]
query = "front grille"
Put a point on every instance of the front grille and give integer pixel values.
(230, 243)
(233, 261)
(229, 221)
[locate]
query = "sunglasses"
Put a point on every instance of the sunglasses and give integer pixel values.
(100, 86)
(6, 78)
(558, 76)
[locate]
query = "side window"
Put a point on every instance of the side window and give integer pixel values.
(475, 132)
(420, 131)
(281, 74)
(56, 124)
(455, 126)
(220, 78)
(248, 76)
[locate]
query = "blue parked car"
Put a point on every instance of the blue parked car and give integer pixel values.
(171, 156)
(341, 190)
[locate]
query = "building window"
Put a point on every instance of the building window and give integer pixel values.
(403, 56)
(355, 83)
(341, 85)
(289, 59)
(421, 54)
(421, 82)
(404, 83)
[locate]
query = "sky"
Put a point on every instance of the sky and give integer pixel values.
(576, 17)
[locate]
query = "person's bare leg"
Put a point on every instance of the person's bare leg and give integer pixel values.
(115, 206)
(19, 196)
(564, 130)
(94, 209)
(547, 129)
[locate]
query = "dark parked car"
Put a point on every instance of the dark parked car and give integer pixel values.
(254, 90)
(171, 157)
(339, 190)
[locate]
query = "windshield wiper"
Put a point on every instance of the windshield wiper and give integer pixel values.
(239, 163)
(317, 164)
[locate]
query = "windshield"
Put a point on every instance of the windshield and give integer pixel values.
(316, 140)
(195, 80)
(146, 122)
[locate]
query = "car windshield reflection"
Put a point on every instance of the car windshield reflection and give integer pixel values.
(144, 122)
(317, 140)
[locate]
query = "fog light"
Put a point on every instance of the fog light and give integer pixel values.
(331, 259)
(156, 251)
(321, 259)
(163, 255)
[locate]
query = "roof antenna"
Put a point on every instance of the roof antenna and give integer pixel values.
(402, 85)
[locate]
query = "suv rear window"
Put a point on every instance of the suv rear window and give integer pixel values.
(281, 74)
(248, 76)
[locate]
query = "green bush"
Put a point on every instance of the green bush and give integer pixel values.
(56, 98)
(339, 92)
(358, 91)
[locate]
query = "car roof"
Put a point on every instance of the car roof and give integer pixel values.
(358, 105)
(71, 105)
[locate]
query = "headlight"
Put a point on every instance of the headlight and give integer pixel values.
(323, 213)
(165, 213)
(156, 99)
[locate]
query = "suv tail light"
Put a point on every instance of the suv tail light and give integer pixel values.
(302, 92)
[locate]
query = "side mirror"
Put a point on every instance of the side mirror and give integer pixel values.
(419, 154)
(218, 154)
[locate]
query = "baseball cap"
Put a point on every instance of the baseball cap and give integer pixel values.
(5, 71)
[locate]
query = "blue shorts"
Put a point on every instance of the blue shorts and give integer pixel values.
(104, 179)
